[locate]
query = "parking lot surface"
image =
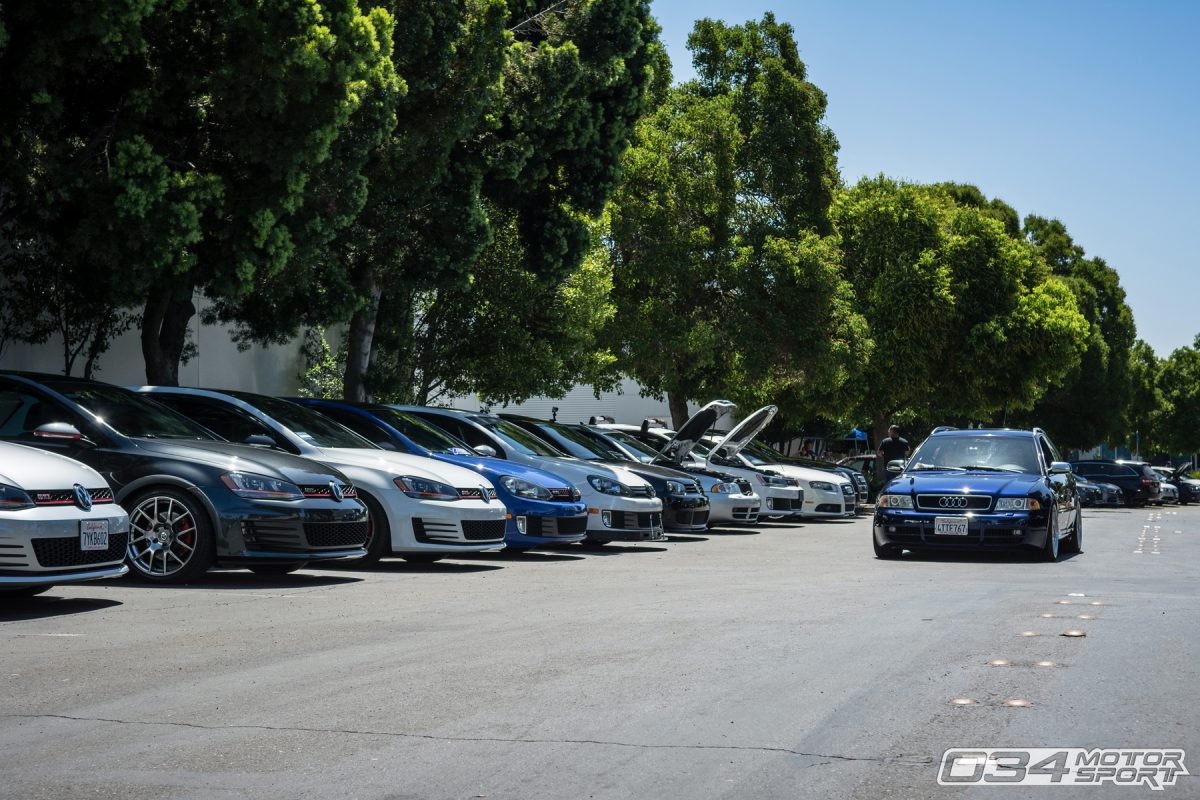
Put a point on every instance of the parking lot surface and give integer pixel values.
(780, 661)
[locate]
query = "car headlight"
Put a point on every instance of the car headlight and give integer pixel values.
(1017, 504)
(675, 487)
(14, 499)
(260, 487)
(425, 489)
(895, 501)
(726, 488)
(523, 488)
(607, 485)
(821, 486)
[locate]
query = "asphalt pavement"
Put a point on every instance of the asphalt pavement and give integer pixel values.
(778, 662)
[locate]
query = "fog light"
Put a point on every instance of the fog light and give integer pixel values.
(891, 528)
(520, 524)
(606, 518)
(770, 502)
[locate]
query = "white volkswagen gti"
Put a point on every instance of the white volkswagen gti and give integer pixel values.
(58, 523)
(825, 493)
(621, 506)
(419, 508)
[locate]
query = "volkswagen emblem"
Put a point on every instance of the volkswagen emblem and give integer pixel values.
(336, 492)
(952, 502)
(83, 498)
(484, 494)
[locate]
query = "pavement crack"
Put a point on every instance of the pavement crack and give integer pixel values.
(830, 757)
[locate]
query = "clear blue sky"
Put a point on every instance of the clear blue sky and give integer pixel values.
(1084, 111)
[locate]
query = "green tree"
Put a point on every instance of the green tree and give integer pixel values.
(1143, 413)
(1088, 406)
(722, 283)
(1179, 385)
(185, 146)
(967, 320)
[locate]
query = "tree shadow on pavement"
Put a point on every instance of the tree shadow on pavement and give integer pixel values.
(50, 605)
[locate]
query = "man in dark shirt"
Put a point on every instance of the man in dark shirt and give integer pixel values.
(893, 448)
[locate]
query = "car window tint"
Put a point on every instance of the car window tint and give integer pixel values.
(127, 412)
(226, 421)
(22, 411)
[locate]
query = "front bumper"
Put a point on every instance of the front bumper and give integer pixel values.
(686, 513)
(272, 531)
(41, 546)
(780, 501)
(822, 503)
(626, 519)
(914, 529)
(742, 509)
(533, 523)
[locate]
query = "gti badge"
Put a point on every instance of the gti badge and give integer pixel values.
(83, 498)
(336, 492)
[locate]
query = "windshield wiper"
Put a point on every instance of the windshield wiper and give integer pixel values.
(987, 468)
(938, 466)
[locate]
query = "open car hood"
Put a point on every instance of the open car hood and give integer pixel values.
(744, 432)
(693, 430)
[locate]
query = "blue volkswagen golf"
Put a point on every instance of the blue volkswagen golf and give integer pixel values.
(980, 489)
(543, 509)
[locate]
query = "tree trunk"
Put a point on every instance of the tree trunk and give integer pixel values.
(360, 342)
(164, 335)
(679, 409)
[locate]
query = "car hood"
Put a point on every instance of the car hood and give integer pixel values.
(657, 470)
(494, 468)
(576, 470)
(29, 468)
(939, 482)
(243, 458)
(396, 464)
(744, 432)
(807, 473)
(677, 449)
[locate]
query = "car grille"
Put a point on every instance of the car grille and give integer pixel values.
(564, 494)
(847, 490)
(65, 552)
(323, 490)
(745, 514)
(336, 534)
(66, 497)
(953, 502)
(641, 491)
(476, 530)
(828, 508)
(556, 526)
(744, 485)
(690, 518)
(785, 504)
(635, 520)
(476, 493)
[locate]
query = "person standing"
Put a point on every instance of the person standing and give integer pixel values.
(893, 448)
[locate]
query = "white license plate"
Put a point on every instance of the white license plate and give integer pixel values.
(93, 534)
(950, 526)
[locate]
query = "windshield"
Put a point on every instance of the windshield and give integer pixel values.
(518, 438)
(754, 458)
(130, 413)
(639, 449)
(421, 432)
(988, 452)
(311, 426)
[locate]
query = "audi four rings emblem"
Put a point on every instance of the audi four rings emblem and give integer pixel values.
(952, 502)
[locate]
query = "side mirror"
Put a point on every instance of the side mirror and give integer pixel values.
(896, 466)
(62, 432)
(485, 450)
(1060, 468)
(388, 444)
(259, 440)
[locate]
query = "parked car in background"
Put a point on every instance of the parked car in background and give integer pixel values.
(1188, 488)
(1169, 495)
(1090, 494)
(621, 506)
(730, 499)
(979, 489)
(193, 499)
(59, 523)
(858, 481)
(1138, 482)
(826, 493)
(421, 510)
(543, 508)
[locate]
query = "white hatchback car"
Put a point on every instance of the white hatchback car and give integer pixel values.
(826, 494)
(58, 523)
(420, 509)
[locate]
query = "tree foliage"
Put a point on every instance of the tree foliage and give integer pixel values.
(1178, 381)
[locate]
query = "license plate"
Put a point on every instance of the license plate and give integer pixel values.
(93, 534)
(950, 526)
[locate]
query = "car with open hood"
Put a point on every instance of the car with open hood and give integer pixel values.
(544, 509)
(730, 499)
(421, 509)
(827, 494)
(1188, 489)
(980, 489)
(59, 523)
(855, 497)
(621, 506)
(685, 506)
(194, 500)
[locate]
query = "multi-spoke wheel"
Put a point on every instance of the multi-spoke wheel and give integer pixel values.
(170, 538)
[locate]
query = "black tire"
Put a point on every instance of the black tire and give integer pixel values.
(379, 535)
(422, 558)
(1073, 544)
(885, 552)
(25, 591)
(1051, 549)
(167, 521)
(277, 569)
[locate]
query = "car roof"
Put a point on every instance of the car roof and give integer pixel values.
(1014, 432)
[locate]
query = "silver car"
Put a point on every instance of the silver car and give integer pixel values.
(58, 523)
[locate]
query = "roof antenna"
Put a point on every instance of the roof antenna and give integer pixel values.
(554, 413)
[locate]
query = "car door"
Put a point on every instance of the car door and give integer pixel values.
(1063, 485)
